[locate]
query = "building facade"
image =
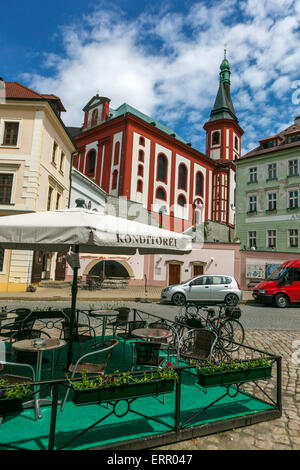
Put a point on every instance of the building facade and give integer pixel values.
(134, 158)
(131, 155)
(268, 190)
(35, 164)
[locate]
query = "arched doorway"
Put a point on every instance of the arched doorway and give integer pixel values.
(109, 269)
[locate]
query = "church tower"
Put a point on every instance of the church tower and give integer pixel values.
(223, 144)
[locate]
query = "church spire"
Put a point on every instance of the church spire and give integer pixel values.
(223, 107)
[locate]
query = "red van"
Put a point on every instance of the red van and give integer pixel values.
(281, 287)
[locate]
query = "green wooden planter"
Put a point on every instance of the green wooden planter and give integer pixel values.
(234, 376)
(126, 391)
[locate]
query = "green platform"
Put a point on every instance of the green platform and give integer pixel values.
(23, 432)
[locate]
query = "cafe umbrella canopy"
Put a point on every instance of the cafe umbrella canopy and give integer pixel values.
(82, 230)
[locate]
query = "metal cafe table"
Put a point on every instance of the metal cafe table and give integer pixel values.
(103, 315)
(38, 346)
(152, 334)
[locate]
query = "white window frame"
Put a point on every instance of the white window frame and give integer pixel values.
(293, 198)
(214, 132)
(253, 203)
(2, 128)
(11, 169)
(270, 237)
(252, 239)
(295, 163)
(293, 236)
(272, 201)
(253, 173)
(272, 171)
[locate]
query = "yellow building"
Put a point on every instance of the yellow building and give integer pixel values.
(35, 163)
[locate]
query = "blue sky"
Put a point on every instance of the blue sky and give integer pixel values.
(160, 57)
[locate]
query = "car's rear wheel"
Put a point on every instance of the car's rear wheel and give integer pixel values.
(231, 299)
(179, 299)
(281, 300)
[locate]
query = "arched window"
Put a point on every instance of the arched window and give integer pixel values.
(94, 117)
(216, 138)
(162, 167)
(139, 186)
(181, 200)
(142, 141)
(236, 143)
(117, 152)
(141, 170)
(141, 155)
(161, 194)
(114, 180)
(91, 160)
(182, 176)
(199, 184)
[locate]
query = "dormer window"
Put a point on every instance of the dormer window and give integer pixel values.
(270, 143)
(293, 138)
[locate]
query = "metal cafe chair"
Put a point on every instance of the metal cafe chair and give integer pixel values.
(121, 321)
(91, 368)
(146, 354)
(7, 372)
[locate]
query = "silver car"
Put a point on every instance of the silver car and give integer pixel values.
(213, 288)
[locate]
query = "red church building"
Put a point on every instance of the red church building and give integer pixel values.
(132, 155)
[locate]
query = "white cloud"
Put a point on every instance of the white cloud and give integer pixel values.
(167, 64)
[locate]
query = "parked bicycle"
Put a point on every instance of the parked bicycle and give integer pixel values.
(221, 319)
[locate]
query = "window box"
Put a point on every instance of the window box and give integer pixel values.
(272, 179)
(271, 210)
(291, 176)
(251, 212)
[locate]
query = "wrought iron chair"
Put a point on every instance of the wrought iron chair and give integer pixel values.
(127, 335)
(82, 332)
(23, 321)
(91, 368)
(170, 345)
(197, 344)
(147, 354)
(121, 321)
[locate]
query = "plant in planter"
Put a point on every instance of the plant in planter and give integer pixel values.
(123, 385)
(12, 396)
(215, 374)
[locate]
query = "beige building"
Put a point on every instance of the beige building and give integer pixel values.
(35, 162)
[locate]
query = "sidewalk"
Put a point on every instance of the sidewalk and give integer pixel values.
(131, 293)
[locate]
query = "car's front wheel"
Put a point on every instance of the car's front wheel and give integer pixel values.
(231, 299)
(281, 300)
(178, 299)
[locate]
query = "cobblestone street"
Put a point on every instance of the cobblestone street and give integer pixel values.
(279, 434)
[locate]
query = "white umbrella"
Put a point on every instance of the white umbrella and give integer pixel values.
(88, 232)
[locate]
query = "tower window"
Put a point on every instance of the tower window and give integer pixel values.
(216, 138)
(141, 170)
(182, 176)
(139, 186)
(142, 141)
(162, 167)
(236, 143)
(141, 155)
